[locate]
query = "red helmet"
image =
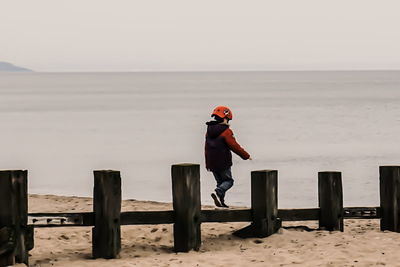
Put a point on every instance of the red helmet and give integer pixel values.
(222, 112)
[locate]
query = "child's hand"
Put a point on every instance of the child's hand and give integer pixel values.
(250, 158)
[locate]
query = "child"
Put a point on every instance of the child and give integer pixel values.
(219, 143)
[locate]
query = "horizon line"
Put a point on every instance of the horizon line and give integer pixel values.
(203, 71)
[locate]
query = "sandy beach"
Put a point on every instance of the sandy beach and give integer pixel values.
(361, 244)
(305, 95)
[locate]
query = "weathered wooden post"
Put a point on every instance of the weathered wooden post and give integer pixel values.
(264, 205)
(106, 235)
(187, 206)
(389, 182)
(13, 216)
(330, 198)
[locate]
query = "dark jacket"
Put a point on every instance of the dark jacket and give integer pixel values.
(219, 144)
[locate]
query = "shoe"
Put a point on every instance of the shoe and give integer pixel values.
(223, 205)
(221, 199)
(216, 201)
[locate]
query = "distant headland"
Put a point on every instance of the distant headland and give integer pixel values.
(8, 67)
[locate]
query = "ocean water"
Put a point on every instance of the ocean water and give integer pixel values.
(62, 126)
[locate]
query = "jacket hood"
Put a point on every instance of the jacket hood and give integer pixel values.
(215, 128)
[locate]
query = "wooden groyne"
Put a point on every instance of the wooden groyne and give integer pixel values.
(16, 225)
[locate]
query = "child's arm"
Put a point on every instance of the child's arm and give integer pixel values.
(233, 145)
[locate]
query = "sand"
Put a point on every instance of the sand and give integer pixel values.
(361, 244)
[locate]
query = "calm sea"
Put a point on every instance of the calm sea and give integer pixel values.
(62, 126)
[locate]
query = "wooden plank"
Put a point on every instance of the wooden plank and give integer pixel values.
(87, 218)
(187, 206)
(80, 219)
(312, 214)
(239, 215)
(298, 214)
(106, 235)
(147, 217)
(61, 219)
(264, 204)
(330, 199)
(389, 181)
(134, 217)
(361, 213)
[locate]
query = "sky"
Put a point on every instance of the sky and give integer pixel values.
(202, 35)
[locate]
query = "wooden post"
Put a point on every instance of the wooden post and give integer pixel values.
(389, 181)
(264, 204)
(14, 214)
(7, 219)
(106, 235)
(187, 206)
(330, 198)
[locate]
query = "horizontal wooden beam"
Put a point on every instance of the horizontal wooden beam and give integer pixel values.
(244, 215)
(362, 213)
(147, 217)
(298, 214)
(61, 219)
(313, 213)
(134, 217)
(207, 216)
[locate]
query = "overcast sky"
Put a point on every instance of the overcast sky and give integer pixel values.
(170, 35)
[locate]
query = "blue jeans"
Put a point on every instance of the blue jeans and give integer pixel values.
(224, 181)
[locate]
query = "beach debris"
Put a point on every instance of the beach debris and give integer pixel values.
(63, 236)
